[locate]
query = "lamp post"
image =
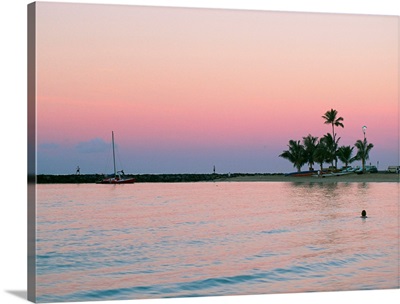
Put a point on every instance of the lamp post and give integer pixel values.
(364, 128)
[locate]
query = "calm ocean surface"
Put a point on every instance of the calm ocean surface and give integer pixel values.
(106, 242)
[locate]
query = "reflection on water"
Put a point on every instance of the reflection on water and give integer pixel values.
(197, 239)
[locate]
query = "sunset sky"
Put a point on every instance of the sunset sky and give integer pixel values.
(187, 89)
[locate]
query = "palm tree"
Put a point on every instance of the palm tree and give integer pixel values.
(330, 145)
(321, 153)
(344, 153)
(310, 144)
(295, 154)
(331, 119)
(363, 151)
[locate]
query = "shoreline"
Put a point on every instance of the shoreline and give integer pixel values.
(236, 177)
(350, 178)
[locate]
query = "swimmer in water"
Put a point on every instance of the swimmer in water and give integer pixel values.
(363, 214)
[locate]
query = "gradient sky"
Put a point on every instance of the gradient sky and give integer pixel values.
(187, 89)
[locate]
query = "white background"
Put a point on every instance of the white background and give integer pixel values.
(13, 162)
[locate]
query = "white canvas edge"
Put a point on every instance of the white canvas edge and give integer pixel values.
(13, 263)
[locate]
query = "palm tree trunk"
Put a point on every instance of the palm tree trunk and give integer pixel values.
(334, 142)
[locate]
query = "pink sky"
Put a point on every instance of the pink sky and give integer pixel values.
(186, 89)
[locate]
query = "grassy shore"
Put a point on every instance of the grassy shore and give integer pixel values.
(237, 177)
(356, 178)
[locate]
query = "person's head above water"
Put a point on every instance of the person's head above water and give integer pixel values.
(363, 213)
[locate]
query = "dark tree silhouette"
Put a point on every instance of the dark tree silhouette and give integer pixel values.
(310, 145)
(363, 148)
(345, 155)
(295, 154)
(332, 119)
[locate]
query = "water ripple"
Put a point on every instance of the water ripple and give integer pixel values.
(189, 240)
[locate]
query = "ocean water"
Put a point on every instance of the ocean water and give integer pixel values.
(107, 242)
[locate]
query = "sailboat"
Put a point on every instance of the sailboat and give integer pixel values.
(118, 177)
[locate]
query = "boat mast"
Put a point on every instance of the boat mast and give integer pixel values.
(115, 170)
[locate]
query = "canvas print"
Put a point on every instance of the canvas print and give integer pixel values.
(178, 152)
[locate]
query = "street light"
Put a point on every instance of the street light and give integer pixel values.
(364, 128)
